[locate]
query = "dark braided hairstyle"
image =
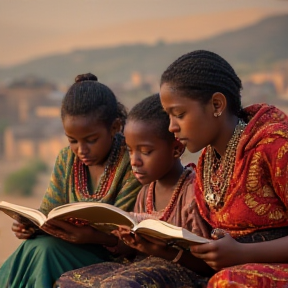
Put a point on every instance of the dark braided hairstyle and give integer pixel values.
(151, 112)
(200, 74)
(88, 97)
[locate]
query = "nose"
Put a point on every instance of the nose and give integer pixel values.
(135, 159)
(82, 149)
(173, 126)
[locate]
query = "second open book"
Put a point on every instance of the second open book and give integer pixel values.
(104, 217)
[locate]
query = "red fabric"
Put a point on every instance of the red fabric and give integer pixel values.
(257, 197)
(251, 276)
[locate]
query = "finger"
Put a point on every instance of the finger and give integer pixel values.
(22, 235)
(124, 229)
(202, 248)
(116, 233)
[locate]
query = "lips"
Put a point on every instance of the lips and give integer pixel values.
(139, 175)
(86, 160)
(183, 140)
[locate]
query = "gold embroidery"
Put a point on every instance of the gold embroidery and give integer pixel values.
(250, 201)
(277, 214)
(278, 172)
(262, 209)
(266, 141)
(252, 183)
(282, 151)
(268, 191)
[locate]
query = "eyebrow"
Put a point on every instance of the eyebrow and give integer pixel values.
(170, 109)
(90, 135)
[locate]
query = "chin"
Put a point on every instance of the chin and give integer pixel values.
(193, 149)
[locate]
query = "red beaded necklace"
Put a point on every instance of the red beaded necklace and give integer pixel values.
(81, 173)
(169, 208)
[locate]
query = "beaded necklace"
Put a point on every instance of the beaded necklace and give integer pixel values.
(169, 208)
(218, 173)
(81, 171)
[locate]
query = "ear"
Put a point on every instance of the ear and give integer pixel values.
(219, 103)
(179, 149)
(115, 127)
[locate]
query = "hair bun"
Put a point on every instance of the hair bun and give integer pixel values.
(86, 77)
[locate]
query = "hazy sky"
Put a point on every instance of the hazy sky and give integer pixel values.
(31, 28)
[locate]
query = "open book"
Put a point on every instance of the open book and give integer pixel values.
(104, 217)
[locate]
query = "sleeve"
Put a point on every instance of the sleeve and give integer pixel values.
(127, 195)
(275, 154)
(58, 188)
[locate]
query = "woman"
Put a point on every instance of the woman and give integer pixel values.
(95, 167)
(242, 173)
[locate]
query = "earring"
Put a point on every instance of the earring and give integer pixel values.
(217, 114)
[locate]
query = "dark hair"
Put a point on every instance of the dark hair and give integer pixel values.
(88, 97)
(199, 74)
(151, 112)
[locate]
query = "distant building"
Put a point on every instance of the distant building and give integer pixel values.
(30, 120)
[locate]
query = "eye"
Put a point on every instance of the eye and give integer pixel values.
(179, 116)
(92, 141)
(146, 152)
(72, 141)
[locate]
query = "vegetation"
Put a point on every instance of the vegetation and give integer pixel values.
(22, 181)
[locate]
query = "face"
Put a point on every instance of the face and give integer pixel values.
(151, 157)
(89, 139)
(191, 122)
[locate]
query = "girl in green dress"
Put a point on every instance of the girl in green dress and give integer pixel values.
(95, 167)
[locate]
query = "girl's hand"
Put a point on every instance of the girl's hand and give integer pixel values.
(22, 231)
(147, 245)
(77, 234)
(220, 253)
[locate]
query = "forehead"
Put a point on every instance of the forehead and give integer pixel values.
(172, 98)
(140, 131)
(82, 124)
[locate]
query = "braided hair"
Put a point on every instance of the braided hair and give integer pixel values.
(200, 74)
(151, 112)
(88, 97)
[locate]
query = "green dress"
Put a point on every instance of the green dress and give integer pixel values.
(37, 263)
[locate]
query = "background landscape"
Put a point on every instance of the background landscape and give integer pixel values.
(127, 46)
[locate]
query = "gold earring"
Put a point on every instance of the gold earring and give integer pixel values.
(217, 114)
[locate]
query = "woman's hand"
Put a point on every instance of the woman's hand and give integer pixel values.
(78, 234)
(220, 253)
(23, 231)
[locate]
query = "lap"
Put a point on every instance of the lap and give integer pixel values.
(150, 272)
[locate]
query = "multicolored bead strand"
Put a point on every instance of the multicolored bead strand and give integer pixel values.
(81, 173)
(169, 208)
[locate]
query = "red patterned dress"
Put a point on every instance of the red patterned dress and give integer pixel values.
(256, 199)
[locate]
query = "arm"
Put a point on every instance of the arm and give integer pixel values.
(53, 197)
(57, 192)
(217, 254)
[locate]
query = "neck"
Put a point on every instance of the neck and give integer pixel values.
(171, 178)
(225, 135)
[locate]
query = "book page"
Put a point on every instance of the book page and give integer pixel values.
(101, 215)
(168, 233)
(16, 211)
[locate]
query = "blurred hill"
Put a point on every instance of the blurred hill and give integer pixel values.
(249, 49)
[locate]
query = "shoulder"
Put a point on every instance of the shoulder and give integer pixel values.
(142, 195)
(65, 156)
